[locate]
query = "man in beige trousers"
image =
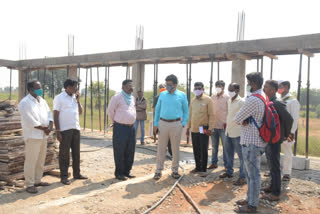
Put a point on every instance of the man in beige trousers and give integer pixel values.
(37, 122)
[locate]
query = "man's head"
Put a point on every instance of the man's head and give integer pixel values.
(34, 88)
(127, 86)
(220, 87)
(140, 94)
(284, 88)
(255, 81)
(233, 89)
(198, 89)
(70, 86)
(171, 83)
(162, 88)
(270, 88)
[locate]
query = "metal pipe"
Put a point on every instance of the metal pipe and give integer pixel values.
(108, 81)
(298, 98)
(38, 74)
(10, 94)
(85, 101)
(44, 81)
(91, 99)
(308, 109)
(79, 69)
(261, 66)
(67, 71)
(218, 70)
(105, 102)
(187, 85)
(155, 91)
(211, 75)
(271, 71)
(257, 64)
(99, 98)
(52, 82)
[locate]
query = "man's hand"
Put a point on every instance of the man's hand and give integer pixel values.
(78, 96)
(47, 131)
(188, 132)
(290, 137)
(209, 132)
(245, 123)
(59, 137)
(155, 130)
(43, 128)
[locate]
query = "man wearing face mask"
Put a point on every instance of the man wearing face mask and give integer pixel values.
(220, 103)
(252, 144)
(293, 107)
(37, 122)
(67, 108)
(172, 106)
(122, 112)
(201, 119)
(233, 130)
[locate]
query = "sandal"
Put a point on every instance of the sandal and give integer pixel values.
(32, 190)
(286, 178)
(246, 209)
(157, 176)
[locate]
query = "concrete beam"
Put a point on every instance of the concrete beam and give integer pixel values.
(8, 63)
(274, 46)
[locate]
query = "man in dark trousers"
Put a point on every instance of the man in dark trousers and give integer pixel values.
(273, 150)
(122, 111)
(67, 107)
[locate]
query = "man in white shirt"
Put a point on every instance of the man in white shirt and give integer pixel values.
(293, 107)
(36, 121)
(67, 107)
(233, 130)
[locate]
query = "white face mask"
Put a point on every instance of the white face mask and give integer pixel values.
(218, 90)
(232, 94)
(248, 90)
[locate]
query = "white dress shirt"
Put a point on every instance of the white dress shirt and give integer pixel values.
(67, 106)
(293, 107)
(233, 129)
(34, 113)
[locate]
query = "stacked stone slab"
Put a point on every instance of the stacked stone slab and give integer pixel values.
(12, 144)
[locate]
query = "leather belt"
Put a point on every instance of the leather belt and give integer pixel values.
(170, 121)
(127, 125)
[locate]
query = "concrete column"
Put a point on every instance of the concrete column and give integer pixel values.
(138, 78)
(22, 84)
(239, 74)
(73, 73)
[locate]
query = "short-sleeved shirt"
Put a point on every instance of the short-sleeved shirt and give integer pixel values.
(68, 111)
(220, 104)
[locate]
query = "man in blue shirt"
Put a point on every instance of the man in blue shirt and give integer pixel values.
(172, 106)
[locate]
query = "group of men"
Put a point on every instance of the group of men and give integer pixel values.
(224, 116)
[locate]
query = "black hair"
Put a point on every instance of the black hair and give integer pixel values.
(125, 82)
(172, 78)
(220, 83)
(273, 84)
(285, 83)
(31, 84)
(256, 78)
(69, 82)
(199, 84)
(236, 86)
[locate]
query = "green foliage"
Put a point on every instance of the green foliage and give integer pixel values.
(314, 97)
(318, 111)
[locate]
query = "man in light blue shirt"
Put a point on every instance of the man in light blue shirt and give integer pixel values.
(172, 106)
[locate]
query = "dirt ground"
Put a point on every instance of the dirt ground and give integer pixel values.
(102, 193)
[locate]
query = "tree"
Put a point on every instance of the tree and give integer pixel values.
(318, 111)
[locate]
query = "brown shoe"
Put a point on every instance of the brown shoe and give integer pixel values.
(267, 190)
(286, 178)
(240, 182)
(242, 202)
(246, 209)
(271, 197)
(32, 190)
(194, 171)
(225, 175)
(80, 177)
(213, 166)
(65, 181)
(157, 176)
(42, 184)
(143, 143)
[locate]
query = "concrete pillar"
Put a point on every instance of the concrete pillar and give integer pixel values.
(73, 73)
(138, 78)
(239, 74)
(22, 84)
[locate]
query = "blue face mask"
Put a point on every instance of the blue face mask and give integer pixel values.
(169, 87)
(38, 92)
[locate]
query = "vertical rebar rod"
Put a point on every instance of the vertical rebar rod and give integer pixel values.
(44, 81)
(308, 109)
(91, 99)
(38, 74)
(155, 91)
(105, 102)
(218, 71)
(85, 101)
(211, 76)
(261, 69)
(108, 91)
(127, 72)
(257, 64)
(298, 98)
(10, 95)
(79, 69)
(99, 99)
(189, 82)
(271, 69)
(187, 74)
(67, 71)
(52, 82)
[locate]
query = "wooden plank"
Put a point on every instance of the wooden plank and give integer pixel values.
(307, 53)
(271, 56)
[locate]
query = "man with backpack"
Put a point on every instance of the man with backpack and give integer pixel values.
(273, 149)
(252, 144)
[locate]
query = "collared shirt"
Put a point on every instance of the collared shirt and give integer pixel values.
(233, 129)
(33, 114)
(141, 108)
(68, 109)
(252, 107)
(293, 107)
(172, 106)
(201, 113)
(220, 104)
(119, 111)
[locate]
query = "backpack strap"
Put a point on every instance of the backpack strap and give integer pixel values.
(252, 120)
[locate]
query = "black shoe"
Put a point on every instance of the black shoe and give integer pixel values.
(65, 181)
(142, 143)
(80, 177)
(121, 178)
(157, 176)
(225, 175)
(130, 176)
(175, 175)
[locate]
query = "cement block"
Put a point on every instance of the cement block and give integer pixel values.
(298, 162)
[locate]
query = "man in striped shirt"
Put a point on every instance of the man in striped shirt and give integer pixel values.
(252, 144)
